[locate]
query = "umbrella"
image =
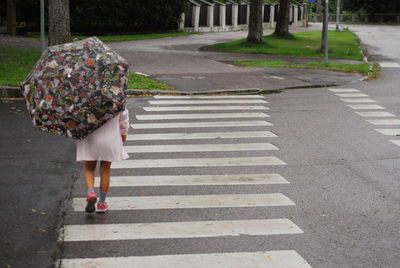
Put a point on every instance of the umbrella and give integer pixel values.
(75, 88)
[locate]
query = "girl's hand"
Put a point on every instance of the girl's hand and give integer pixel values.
(123, 138)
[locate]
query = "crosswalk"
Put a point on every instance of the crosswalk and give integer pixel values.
(182, 150)
(372, 113)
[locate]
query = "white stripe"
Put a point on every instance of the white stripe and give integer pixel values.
(366, 107)
(190, 201)
(199, 162)
(202, 108)
(389, 65)
(211, 97)
(173, 102)
(384, 121)
(143, 74)
(397, 142)
(205, 135)
(248, 123)
(355, 100)
(198, 116)
(200, 148)
(375, 114)
(389, 132)
(165, 230)
(343, 90)
(352, 95)
(182, 180)
(270, 259)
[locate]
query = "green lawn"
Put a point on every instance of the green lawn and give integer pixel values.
(137, 81)
(342, 44)
(120, 38)
(16, 63)
(362, 68)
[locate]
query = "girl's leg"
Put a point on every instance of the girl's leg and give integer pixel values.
(104, 186)
(105, 176)
(89, 171)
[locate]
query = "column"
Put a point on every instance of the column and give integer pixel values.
(262, 13)
(196, 18)
(181, 25)
(272, 15)
(235, 15)
(290, 13)
(248, 15)
(222, 16)
(210, 16)
(296, 15)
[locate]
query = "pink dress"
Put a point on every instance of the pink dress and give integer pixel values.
(105, 144)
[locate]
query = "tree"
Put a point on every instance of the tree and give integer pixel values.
(12, 17)
(59, 22)
(282, 24)
(372, 6)
(255, 34)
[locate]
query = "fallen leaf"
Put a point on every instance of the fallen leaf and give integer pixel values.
(33, 210)
(43, 213)
(42, 230)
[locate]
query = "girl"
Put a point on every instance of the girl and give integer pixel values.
(104, 145)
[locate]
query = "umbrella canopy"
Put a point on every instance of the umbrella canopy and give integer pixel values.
(75, 88)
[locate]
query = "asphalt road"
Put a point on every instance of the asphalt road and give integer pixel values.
(37, 171)
(381, 41)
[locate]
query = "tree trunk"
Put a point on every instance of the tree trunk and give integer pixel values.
(282, 24)
(12, 17)
(59, 22)
(324, 29)
(255, 34)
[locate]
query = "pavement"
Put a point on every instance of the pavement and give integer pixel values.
(37, 173)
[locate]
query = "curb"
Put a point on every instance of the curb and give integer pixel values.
(9, 92)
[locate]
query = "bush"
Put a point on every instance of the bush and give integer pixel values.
(111, 16)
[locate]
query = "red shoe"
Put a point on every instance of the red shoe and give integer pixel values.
(91, 200)
(101, 207)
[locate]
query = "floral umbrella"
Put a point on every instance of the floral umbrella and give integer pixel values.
(75, 88)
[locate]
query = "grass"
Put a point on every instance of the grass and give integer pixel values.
(137, 81)
(16, 63)
(132, 37)
(362, 68)
(343, 44)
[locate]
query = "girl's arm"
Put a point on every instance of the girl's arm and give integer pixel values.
(124, 124)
